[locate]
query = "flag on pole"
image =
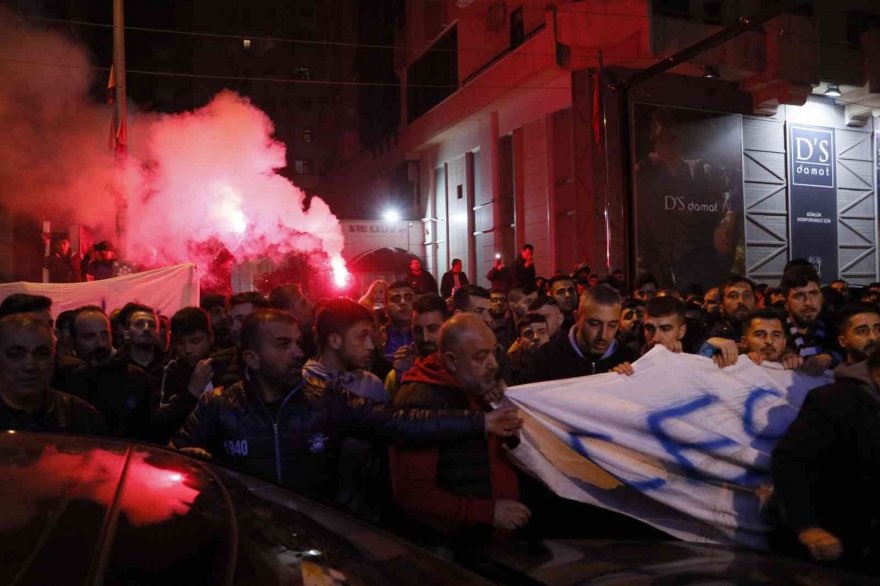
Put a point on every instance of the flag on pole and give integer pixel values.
(118, 140)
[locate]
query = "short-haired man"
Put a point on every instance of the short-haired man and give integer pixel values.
(858, 331)
(296, 439)
(344, 330)
(825, 471)
(216, 305)
(429, 313)
(461, 489)
(500, 276)
(422, 281)
(737, 302)
(473, 299)
(546, 306)
(242, 305)
(645, 287)
(140, 329)
(524, 267)
(121, 392)
(562, 289)
(630, 332)
(808, 336)
(532, 333)
(38, 306)
(764, 338)
(589, 347)
(27, 403)
(194, 371)
(664, 325)
(453, 279)
(399, 299)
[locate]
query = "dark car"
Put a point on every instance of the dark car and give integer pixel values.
(94, 511)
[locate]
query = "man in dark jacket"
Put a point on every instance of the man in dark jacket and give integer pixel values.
(27, 359)
(276, 426)
(453, 279)
(142, 347)
(826, 471)
(589, 347)
(524, 267)
(195, 371)
(121, 392)
(63, 264)
(466, 487)
(422, 281)
(500, 276)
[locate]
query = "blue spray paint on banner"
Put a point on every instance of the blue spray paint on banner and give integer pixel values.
(812, 197)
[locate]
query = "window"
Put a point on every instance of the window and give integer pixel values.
(459, 192)
(303, 167)
(246, 43)
(307, 134)
(433, 77)
(303, 72)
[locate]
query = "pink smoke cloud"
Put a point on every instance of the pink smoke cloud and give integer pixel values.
(197, 181)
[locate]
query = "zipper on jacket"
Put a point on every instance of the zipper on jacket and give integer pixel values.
(274, 421)
(277, 453)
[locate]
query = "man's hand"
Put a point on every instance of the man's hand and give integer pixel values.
(729, 351)
(197, 452)
(497, 392)
(674, 346)
(792, 362)
(816, 365)
(511, 514)
(404, 357)
(201, 376)
(624, 368)
(504, 422)
(823, 546)
(756, 357)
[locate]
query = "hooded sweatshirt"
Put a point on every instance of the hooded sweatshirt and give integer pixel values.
(451, 488)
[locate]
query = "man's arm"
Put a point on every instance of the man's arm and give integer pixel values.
(808, 441)
(375, 421)
(201, 427)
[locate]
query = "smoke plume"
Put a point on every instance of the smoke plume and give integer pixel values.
(197, 182)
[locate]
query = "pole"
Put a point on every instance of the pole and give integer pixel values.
(120, 191)
(603, 122)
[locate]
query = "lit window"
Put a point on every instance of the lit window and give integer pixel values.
(246, 43)
(307, 135)
(303, 167)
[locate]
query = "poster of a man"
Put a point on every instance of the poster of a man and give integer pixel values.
(689, 197)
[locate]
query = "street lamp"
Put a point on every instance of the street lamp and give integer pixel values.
(391, 215)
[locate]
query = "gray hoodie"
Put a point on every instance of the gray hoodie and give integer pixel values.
(860, 374)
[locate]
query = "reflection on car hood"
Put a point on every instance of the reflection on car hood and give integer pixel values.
(77, 510)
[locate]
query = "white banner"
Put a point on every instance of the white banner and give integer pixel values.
(167, 290)
(681, 444)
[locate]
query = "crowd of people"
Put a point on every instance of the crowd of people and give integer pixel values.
(388, 406)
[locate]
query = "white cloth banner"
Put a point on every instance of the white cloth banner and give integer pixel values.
(167, 290)
(681, 445)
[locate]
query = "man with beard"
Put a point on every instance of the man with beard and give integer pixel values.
(764, 339)
(399, 299)
(477, 300)
(344, 334)
(858, 329)
(502, 324)
(428, 315)
(276, 426)
(630, 332)
(737, 302)
(589, 347)
(421, 281)
(27, 403)
(562, 289)
(808, 336)
(121, 392)
(457, 492)
(191, 374)
(141, 334)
